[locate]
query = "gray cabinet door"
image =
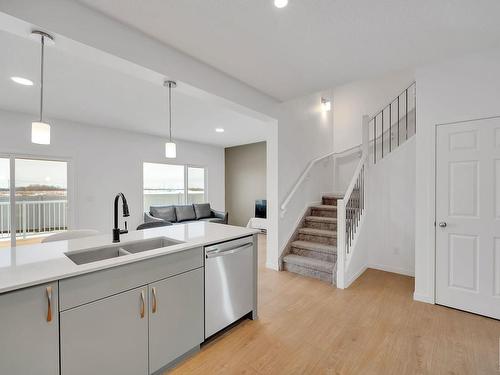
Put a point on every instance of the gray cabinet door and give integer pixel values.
(108, 336)
(176, 317)
(29, 331)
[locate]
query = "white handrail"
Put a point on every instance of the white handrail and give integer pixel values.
(304, 174)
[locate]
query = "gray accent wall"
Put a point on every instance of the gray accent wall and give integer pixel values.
(245, 176)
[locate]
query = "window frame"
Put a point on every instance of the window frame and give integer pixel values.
(186, 181)
(70, 188)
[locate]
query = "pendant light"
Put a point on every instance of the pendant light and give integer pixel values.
(40, 130)
(170, 148)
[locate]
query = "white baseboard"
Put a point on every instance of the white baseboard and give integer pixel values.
(355, 276)
(272, 266)
(423, 298)
(401, 271)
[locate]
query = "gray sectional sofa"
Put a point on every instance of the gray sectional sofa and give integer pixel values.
(185, 214)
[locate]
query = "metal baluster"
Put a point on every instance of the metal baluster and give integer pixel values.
(382, 134)
(363, 187)
(415, 107)
(347, 227)
(357, 203)
(406, 109)
(353, 218)
(390, 127)
(350, 222)
(398, 119)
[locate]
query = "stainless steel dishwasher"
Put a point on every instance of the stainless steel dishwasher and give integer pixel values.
(229, 283)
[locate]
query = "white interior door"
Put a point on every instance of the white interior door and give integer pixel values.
(468, 216)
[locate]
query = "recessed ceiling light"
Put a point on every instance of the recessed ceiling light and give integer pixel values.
(22, 81)
(219, 130)
(280, 3)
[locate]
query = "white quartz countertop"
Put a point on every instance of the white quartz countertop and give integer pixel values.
(25, 266)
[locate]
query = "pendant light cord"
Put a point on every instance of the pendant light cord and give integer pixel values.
(170, 109)
(41, 79)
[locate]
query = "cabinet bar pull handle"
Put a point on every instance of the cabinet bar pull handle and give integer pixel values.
(142, 304)
(48, 290)
(153, 290)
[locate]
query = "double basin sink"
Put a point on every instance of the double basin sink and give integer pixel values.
(118, 250)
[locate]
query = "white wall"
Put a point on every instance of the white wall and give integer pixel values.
(455, 90)
(305, 132)
(386, 238)
(106, 161)
(205, 82)
(245, 176)
(391, 211)
(364, 97)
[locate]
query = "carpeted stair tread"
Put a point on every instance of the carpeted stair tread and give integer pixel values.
(334, 196)
(311, 263)
(318, 232)
(314, 246)
(326, 207)
(321, 219)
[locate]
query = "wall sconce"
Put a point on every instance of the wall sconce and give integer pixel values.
(326, 105)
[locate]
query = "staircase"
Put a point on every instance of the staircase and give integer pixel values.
(326, 238)
(313, 251)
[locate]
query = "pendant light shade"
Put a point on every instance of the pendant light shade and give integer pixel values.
(170, 147)
(40, 133)
(40, 130)
(170, 150)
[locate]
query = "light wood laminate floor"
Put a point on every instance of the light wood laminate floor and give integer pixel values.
(374, 327)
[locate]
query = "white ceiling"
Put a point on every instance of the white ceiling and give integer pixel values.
(312, 44)
(88, 91)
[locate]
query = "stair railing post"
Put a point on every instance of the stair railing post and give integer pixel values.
(341, 243)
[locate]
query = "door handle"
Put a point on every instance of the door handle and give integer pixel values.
(153, 292)
(443, 224)
(48, 291)
(143, 303)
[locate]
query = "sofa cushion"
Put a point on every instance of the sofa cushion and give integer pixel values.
(166, 213)
(202, 210)
(185, 213)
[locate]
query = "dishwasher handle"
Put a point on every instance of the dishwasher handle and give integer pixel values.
(231, 250)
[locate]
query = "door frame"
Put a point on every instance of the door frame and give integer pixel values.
(434, 201)
(71, 186)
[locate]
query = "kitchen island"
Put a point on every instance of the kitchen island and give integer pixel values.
(92, 306)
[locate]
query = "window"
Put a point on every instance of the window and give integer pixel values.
(5, 202)
(41, 200)
(196, 185)
(167, 184)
